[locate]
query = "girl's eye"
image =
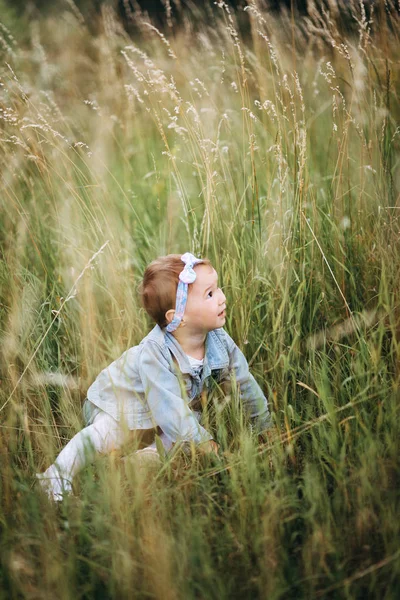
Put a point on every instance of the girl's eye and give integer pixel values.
(210, 294)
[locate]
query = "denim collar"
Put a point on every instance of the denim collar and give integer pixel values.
(215, 357)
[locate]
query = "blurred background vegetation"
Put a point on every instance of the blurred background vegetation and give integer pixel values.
(267, 140)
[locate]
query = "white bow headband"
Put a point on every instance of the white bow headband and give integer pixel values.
(186, 276)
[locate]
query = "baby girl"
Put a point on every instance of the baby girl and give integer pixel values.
(154, 387)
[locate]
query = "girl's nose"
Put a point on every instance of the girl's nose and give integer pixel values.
(222, 298)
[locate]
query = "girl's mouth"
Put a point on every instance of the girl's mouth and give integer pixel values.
(222, 313)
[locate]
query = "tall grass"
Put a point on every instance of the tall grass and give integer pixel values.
(274, 150)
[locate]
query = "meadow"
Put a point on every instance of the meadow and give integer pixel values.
(269, 143)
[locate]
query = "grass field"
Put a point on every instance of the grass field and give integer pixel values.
(273, 149)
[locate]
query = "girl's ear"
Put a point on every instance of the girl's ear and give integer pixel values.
(169, 315)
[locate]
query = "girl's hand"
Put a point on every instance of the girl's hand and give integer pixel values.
(209, 446)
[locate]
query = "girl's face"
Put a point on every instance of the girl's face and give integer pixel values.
(206, 303)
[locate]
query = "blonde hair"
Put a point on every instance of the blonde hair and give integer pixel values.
(158, 288)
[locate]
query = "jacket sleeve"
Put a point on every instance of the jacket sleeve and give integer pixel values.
(164, 397)
(254, 401)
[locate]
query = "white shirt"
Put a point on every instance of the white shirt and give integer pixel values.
(195, 363)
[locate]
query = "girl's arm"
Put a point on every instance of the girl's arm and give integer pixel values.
(164, 397)
(251, 395)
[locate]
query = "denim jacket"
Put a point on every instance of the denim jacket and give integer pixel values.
(153, 384)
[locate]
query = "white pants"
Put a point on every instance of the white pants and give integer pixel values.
(101, 437)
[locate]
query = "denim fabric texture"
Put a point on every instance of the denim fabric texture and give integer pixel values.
(153, 384)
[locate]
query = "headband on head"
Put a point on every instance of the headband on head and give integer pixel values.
(185, 277)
